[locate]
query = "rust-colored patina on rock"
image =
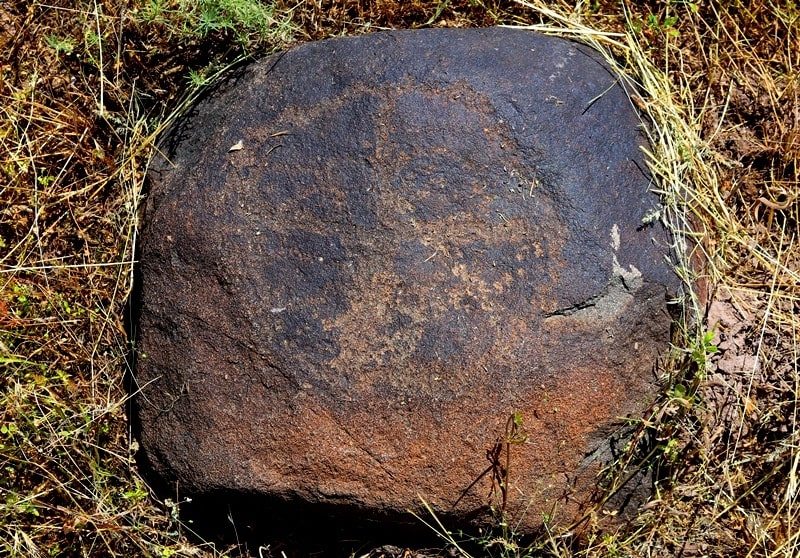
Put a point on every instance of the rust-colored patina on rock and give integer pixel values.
(362, 256)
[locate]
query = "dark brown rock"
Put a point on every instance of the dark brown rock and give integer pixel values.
(362, 256)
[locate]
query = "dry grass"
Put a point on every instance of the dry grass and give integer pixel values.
(720, 86)
(86, 86)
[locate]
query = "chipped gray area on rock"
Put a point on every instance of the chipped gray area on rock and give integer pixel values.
(615, 296)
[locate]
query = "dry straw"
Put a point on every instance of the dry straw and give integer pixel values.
(733, 488)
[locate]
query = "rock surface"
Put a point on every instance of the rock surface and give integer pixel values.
(361, 257)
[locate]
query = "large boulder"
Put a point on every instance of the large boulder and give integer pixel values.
(403, 266)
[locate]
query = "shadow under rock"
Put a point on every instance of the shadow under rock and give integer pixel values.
(271, 527)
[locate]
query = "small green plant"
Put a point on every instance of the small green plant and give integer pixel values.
(61, 45)
(670, 450)
(210, 20)
(702, 349)
(246, 20)
(666, 25)
(154, 12)
(46, 180)
(137, 494)
(202, 77)
(24, 305)
(9, 429)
